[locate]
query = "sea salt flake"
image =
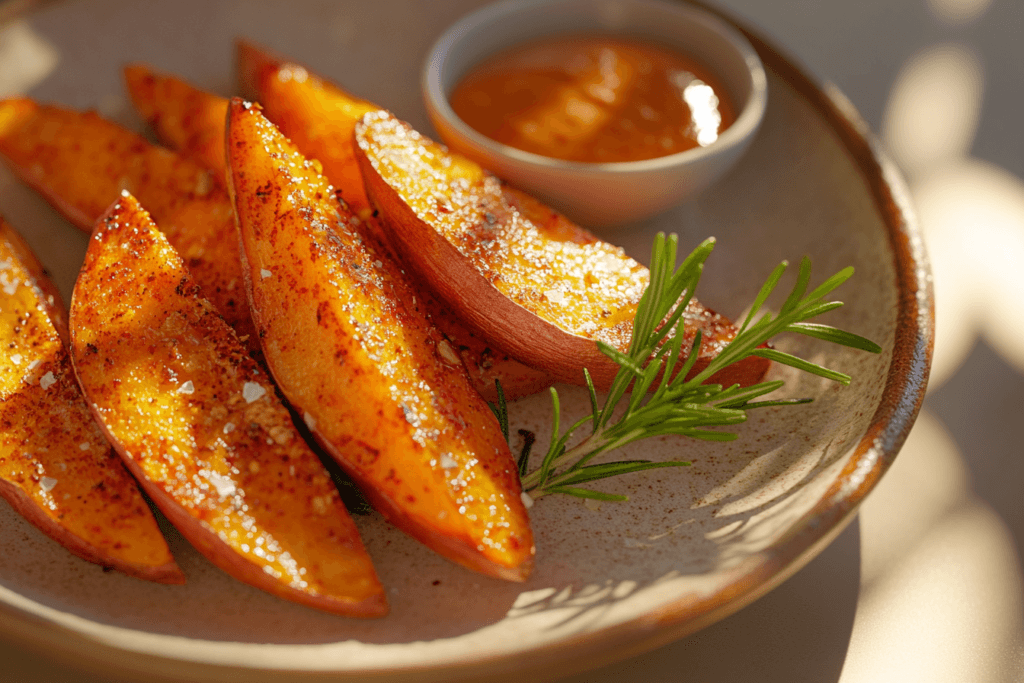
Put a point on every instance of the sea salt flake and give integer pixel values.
(447, 352)
(252, 392)
(47, 381)
(16, 359)
(47, 484)
(264, 273)
(187, 388)
(555, 296)
(448, 462)
(223, 485)
(527, 501)
(34, 364)
(229, 427)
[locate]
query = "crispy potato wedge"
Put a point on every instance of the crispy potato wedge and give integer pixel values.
(313, 113)
(186, 119)
(80, 163)
(534, 284)
(56, 468)
(320, 116)
(200, 425)
(374, 386)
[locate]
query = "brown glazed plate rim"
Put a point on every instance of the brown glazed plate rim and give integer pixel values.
(901, 400)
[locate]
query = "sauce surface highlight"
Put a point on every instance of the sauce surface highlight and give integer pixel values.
(594, 99)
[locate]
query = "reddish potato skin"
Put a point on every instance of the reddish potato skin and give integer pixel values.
(318, 117)
(199, 424)
(80, 163)
(367, 372)
(48, 435)
(484, 248)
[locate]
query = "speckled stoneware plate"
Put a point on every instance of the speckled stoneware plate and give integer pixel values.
(692, 545)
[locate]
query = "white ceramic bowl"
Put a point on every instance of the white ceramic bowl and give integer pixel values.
(599, 195)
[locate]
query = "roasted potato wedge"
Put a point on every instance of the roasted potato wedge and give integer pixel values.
(369, 375)
(320, 116)
(201, 427)
(186, 119)
(313, 113)
(56, 468)
(80, 163)
(544, 291)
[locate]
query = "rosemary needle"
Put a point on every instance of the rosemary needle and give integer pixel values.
(676, 405)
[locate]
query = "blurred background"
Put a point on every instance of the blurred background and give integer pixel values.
(927, 583)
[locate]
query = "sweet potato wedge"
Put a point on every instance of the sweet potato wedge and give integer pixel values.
(534, 284)
(368, 374)
(200, 425)
(80, 163)
(56, 468)
(184, 118)
(319, 118)
(315, 114)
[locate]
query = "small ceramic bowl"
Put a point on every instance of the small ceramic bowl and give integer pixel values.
(600, 195)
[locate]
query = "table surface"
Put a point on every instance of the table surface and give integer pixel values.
(927, 583)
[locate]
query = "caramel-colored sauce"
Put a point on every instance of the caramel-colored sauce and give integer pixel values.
(594, 99)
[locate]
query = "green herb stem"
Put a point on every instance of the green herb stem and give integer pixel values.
(655, 366)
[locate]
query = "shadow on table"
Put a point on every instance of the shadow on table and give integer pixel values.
(798, 632)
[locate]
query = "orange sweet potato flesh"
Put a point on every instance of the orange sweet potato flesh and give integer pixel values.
(539, 287)
(184, 118)
(313, 113)
(56, 468)
(318, 117)
(366, 370)
(199, 424)
(80, 163)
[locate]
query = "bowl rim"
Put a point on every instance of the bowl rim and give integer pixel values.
(742, 129)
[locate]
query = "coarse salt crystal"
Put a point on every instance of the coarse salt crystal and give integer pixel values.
(84, 446)
(252, 392)
(16, 359)
(555, 296)
(34, 364)
(264, 273)
(47, 381)
(10, 287)
(224, 486)
(527, 501)
(447, 352)
(448, 462)
(187, 388)
(47, 484)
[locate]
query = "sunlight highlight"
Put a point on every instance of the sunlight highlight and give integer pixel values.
(26, 58)
(942, 594)
(932, 114)
(958, 12)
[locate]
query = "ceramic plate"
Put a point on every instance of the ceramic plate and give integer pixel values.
(691, 546)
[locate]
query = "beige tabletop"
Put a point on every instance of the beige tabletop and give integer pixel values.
(927, 584)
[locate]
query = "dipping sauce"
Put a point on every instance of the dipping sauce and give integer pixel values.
(594, 99)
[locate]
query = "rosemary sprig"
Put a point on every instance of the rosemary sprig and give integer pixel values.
(677, 405)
